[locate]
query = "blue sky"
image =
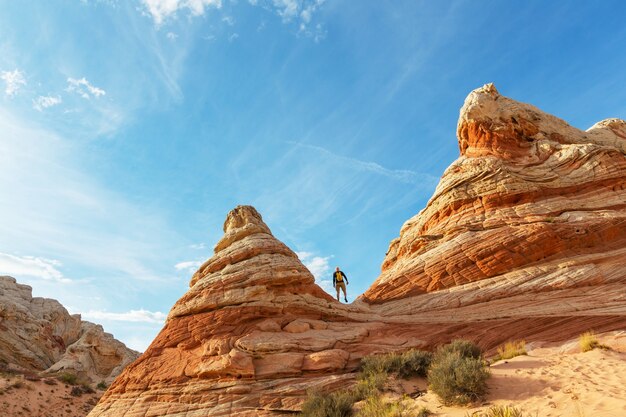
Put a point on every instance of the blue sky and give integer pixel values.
(128, 129)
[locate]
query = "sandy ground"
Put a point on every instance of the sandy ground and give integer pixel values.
(553, 382)
(46, 397)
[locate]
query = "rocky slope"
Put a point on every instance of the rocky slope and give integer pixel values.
(523, 239)
(531, 201)
(38, 334)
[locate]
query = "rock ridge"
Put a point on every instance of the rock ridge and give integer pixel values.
(38, 334)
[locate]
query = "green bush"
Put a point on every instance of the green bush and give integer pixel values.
(335, 404)
(68, 378)
(375, 370)
(410, 363)
(458, 374)
(102, 386)
(464, 348)
(368, 385)
(415, 363)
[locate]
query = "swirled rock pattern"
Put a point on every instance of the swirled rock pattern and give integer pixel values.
(524, 238)
(38, 334)
(529, 191)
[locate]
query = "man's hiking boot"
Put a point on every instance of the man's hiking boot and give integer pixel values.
(346, 299)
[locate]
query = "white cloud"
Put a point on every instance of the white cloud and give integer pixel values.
(233, 37)
(319, 267)
(47, 194)
(160, 10)
(229, 20)
(286, 9)
(401, 175)
(190, 266)
(43, 102)
(198, 246)
(302, 10)
(31, 266)
(13, 80)
(135, 316)
(84, 88)
(171, 36)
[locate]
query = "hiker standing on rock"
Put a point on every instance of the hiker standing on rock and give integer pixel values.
(339, 282)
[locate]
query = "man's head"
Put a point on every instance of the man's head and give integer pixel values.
(337, 269)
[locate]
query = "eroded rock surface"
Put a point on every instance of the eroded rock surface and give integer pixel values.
(524, 238)
(531, 200)
(38, 334)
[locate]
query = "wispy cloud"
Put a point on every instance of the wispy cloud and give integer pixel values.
(103, 230)
(171, 36)
(201, 245)
(301, 11)
(31, 266)
(233, 37)
(190, 266)
(133, 316)
(319, 267)
(13, 81)
(84, 88)
(43, 102)
(402, 175)
(160, 10)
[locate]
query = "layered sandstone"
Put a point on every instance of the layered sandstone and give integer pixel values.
(524, 238)
(532, 204)
(38, 334)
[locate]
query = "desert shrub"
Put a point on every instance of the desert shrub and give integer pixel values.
(499, 411)
(464, 348)
(374, 406)
(589, 341)
(410, 363)
(423, 412)
(511, 349)
(375, 370)
(87, 389)
(458, 374)
(68, 378)
(369, 384)
(377, 364)
(335, 404)
(415, 363)
(102, 386)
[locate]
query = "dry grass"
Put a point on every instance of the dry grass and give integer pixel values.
(498, 411)
(589, 341)
(511, 349)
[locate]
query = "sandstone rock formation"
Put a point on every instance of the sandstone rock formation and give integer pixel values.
(532, 202)
(38, 334)
(524, 238)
